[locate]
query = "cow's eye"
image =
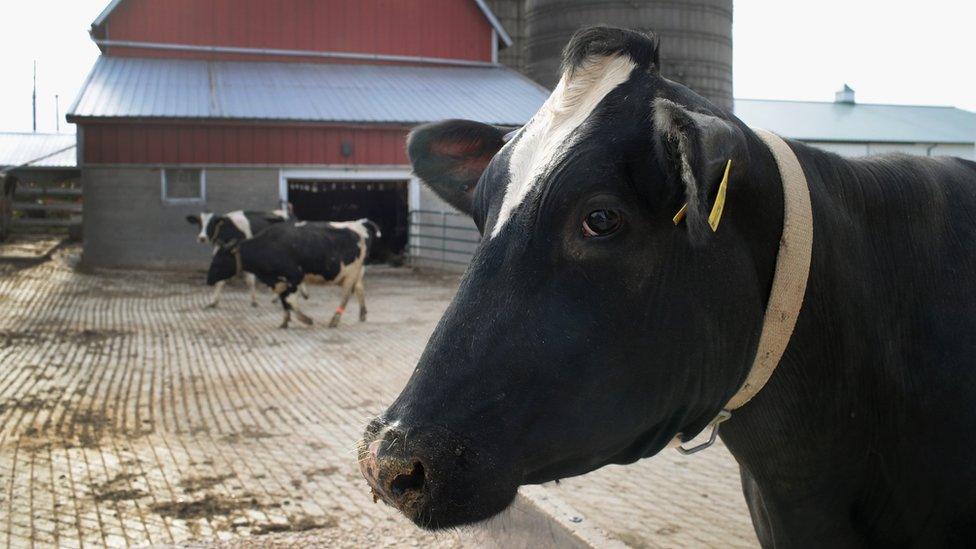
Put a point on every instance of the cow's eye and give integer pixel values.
(601, 223)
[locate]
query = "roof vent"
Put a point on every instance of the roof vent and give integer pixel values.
(844, 95)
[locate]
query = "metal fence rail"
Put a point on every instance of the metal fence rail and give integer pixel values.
(438, 237)
(50, 207)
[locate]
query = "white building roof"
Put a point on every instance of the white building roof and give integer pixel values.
(37, 150)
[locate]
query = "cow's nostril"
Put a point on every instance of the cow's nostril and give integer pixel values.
(408, 482)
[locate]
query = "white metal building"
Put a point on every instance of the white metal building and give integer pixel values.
(857, 129)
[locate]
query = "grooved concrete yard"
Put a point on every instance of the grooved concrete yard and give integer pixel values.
(131, 415)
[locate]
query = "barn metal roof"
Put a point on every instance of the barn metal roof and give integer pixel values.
(170, 88)
(37, 150)
(859, 122)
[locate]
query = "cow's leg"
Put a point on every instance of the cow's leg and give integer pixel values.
(292, 302)
(251, 279)
(361, 296)
(303, 289)
(346, 293)
(215, 298)
(281, 289)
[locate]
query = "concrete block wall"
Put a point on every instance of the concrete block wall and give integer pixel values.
(127, 223)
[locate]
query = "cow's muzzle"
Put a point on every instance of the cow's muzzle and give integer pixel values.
(394, 477)
(433, 476)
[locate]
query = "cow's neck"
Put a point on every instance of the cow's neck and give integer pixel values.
(801, 433)
(782, 407)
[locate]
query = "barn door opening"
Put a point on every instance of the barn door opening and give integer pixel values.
(384, 202)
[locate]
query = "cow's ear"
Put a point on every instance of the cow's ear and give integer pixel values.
(450, 157)
(696, 149)
(193, 220)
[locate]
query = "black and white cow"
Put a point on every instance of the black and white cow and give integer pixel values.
(284, 254)
(595, 325)
(232, 227)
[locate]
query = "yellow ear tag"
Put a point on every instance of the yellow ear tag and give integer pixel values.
(679, 217)
(716, 216)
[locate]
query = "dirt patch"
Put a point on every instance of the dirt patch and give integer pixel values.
(296, 523)
(319, 472)
(27, 404)
(249, 433)
(195, 484)
(90, 337)
(91, 420)
(118, 489)
(90, 426)
(14, 337)
(207, 507)
(84, 337)
(123, 494)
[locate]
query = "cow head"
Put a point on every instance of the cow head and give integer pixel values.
(205, 221)
(590, 328)
(372, 229)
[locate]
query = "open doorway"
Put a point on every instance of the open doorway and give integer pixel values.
(384, 202)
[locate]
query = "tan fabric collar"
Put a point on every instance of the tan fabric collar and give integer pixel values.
(789, 282)
(792, 270)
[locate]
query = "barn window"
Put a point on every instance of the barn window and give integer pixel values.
(184, 185)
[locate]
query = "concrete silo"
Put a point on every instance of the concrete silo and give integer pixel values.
(696, 37)
(511, 14)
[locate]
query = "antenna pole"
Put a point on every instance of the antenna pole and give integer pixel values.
(34, 99)
(57, 115)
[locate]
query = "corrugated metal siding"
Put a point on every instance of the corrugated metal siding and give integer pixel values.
(20, 148)
(859, 122)
(453, 29)
(241, 144)
(169, 88)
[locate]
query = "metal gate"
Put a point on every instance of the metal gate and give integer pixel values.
(444, 239)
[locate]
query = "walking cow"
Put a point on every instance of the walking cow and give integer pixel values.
(650, 265)
(233, 226)
(283, 255)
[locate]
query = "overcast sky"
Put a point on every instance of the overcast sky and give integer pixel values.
(889, 51)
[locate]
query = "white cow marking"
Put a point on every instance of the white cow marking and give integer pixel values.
(240, 221)
(547, 137)
(356, 226)
(204, 221)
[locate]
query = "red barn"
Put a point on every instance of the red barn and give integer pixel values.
(248, 104)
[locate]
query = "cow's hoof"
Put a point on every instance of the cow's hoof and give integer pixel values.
(254, 304)
(305, 320)
(334, 322)
(362, 316)
(212, 305)
(283, 325)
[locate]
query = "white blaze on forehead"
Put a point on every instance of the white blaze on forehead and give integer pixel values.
(240, 221)
(547, 136)
(204, 220)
